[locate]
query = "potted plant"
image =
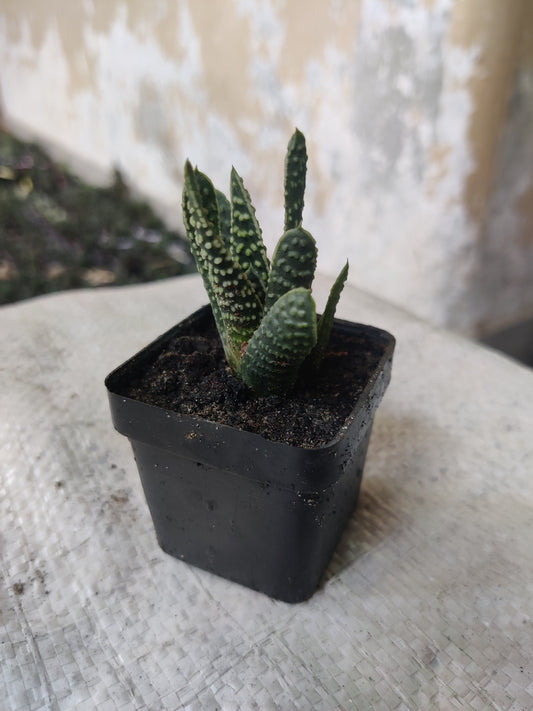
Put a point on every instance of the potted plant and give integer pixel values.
(250, 420)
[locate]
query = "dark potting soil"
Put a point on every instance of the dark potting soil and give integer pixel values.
(191, 376)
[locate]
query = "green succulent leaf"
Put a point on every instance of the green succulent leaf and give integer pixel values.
(325, 323)
(293, 264)
(247, 246)
(236, 306)
(224, 211)
(295, 173)
(284, 339)
(208, 199)
(192, 203)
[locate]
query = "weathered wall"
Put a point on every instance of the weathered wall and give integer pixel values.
(420, 168)
(504, 283)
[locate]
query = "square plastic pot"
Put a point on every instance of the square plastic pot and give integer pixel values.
(264, 514)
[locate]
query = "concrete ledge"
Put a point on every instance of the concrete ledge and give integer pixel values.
(427, 604)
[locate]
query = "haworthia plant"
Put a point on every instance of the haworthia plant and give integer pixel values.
(264, 312)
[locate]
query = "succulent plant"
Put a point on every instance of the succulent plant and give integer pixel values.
(264, 312)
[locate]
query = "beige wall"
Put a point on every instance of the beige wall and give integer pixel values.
(417, 116)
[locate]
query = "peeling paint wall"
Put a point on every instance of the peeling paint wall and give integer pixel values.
(417, 115)
(504, 280)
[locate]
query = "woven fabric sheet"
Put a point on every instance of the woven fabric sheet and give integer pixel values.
(428, 602)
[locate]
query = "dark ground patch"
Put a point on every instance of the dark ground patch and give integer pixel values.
(57, 232)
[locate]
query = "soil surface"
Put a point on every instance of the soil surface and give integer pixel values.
(191, 377)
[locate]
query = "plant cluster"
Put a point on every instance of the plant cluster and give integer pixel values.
(264, 311)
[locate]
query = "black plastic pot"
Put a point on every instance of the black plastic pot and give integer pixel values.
(264, 514)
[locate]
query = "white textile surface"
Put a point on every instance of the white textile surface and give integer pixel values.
(427, 604)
